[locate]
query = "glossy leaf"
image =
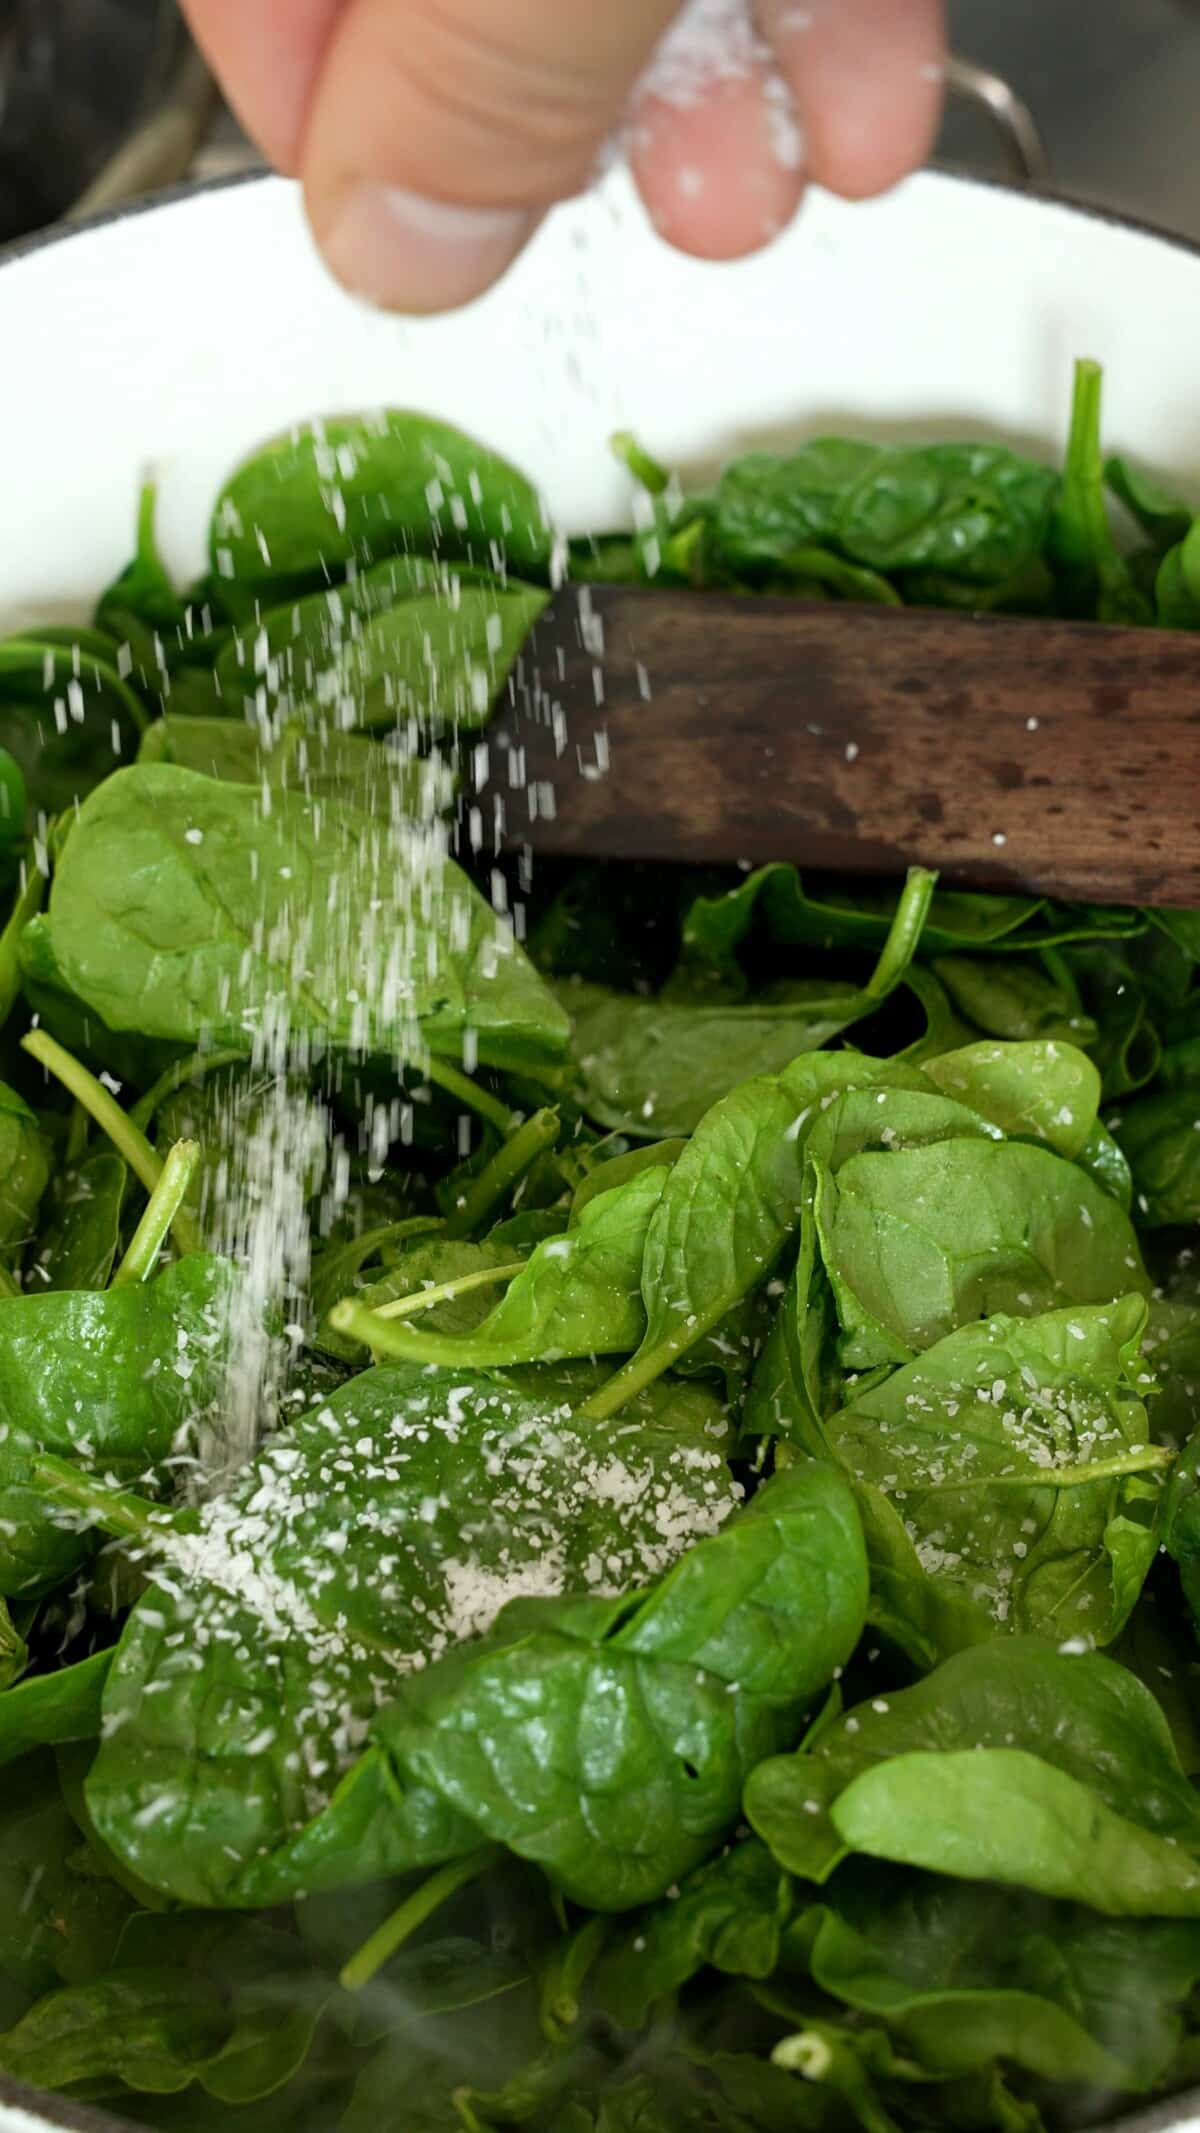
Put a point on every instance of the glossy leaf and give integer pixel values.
(1080, 1713)
(118, 1380)
(371, 1551)
(219, 880)
(311, 502)
(1018, 1453)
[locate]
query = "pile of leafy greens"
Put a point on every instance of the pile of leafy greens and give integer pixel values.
(698, 1634)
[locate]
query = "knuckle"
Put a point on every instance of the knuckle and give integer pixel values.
(526, 116)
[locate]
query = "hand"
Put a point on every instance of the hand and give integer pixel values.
(432, 135)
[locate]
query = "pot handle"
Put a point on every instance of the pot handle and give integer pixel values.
(162, 149)
(1013, 120)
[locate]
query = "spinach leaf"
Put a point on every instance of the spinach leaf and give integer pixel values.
(339, 1266)
(1177, 585)
(1078, 1712)
(229, 2005)
(48, 1710)
(730, 1914)
(817, 574)
(578, 1294)
(67, 717)
(59, 1921)
(320, 498)
(613, 1170)
(706, 1668)
(55, 1008)
(779, 906)
(1160, 1136)
(1104, 1161)
(652, 1068)
(77, 1243)
(430, 1262)
(320, 764)
(1163, 517)
(118, 1380)
(14, 1652)
(964, 1975)
(1181, 1523)
(355, 1547)
(411, 641)
(24, 1174)
(723, 1216)
(973, 512)
(921, 1241)
(1043, 1091)
(1158, 1647)
(173, 888)
(1019, 1001)
(849, 1103)
(149, 2028)
(1172, 1351)
(737, 1193)
(1127, 1048)
(229, 1112)
(1017, 1451)
(1004, 1815)
(927, 1619)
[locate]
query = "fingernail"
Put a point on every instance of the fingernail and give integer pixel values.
(405, 253)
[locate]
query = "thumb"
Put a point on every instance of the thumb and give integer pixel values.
(440, 131)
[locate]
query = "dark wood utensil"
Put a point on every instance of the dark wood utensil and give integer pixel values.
(1059, 758)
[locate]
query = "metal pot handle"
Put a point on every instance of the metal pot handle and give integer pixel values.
(1012, 119)
(162, 149)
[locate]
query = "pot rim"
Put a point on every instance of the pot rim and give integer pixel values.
(64, 232)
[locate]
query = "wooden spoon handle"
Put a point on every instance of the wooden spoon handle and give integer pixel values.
(1055, 758)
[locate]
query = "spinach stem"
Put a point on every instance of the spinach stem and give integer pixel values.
(127, 1138)
(193, 1068)
(446, 1291)
(117, 1511)
(160, 1211)
(468, 1092)
(421, 1905)
(633, 1377)
(1081, 523)
(563, 1979)
(404, 1344)
(77, 1134)
(643, 468)
(906, 930)
(507, 1167)
(1140, 1459)
(27, 905)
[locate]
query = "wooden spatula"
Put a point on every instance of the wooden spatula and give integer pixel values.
(1051, 757)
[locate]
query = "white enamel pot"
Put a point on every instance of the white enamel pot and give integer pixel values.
(177, 336)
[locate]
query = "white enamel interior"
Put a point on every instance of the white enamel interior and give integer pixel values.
(178, 337)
